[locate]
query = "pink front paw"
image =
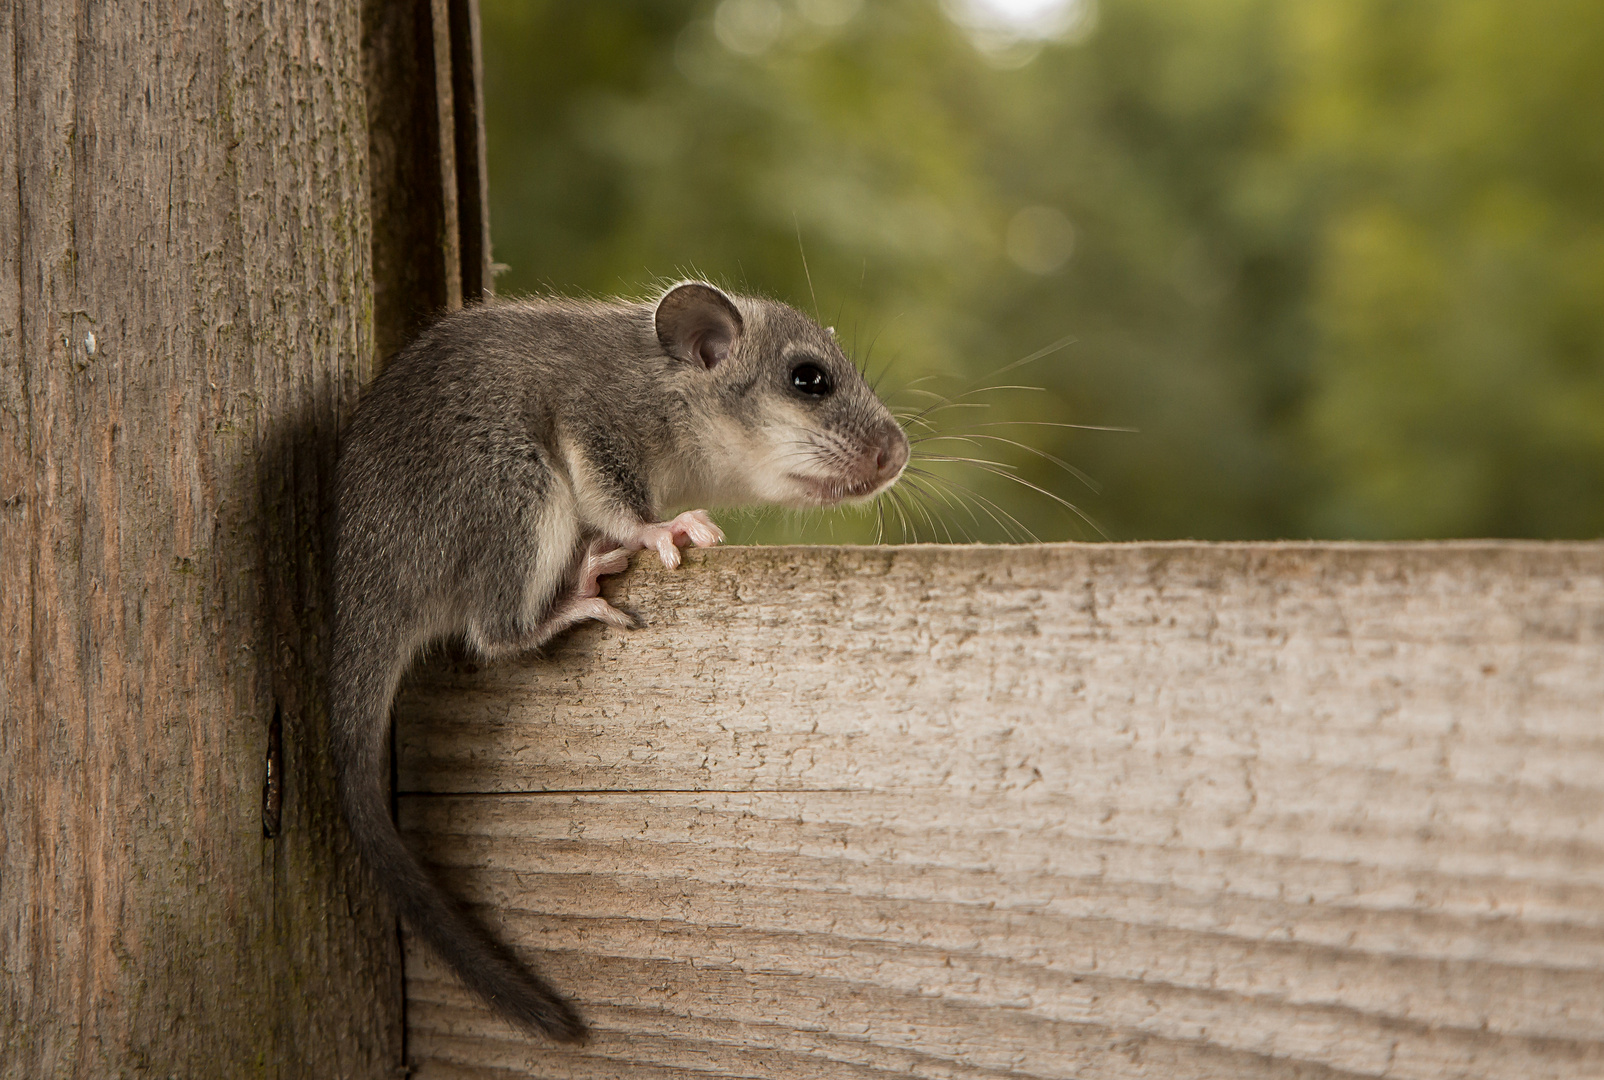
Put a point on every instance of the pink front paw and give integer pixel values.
(697, 527)
(691, 527)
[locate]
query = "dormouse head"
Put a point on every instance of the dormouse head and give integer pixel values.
(782, 416)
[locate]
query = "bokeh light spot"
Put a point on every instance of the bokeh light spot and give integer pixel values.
(828, 12)
(1040, 239)
(748, 27)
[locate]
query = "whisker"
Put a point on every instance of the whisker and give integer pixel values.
(959, 503)
(952, 405)
(924, 484)
(984, 390)
(921, 490)
(964, 505)
(1065, 503)
(806, 272)
(870, 351)
(914, 509)
(1047, 350)
(988, 506)
(918, 504)
(937, 437)
(1055, 423)
(1096, 488)
(903, 524)
(911, 388)
(967, 460)
(1003, 386)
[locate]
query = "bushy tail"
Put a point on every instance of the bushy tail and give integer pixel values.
(361, 725)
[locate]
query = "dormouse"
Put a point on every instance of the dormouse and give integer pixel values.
(518, 451)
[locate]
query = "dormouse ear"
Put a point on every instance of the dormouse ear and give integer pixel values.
(697, 323)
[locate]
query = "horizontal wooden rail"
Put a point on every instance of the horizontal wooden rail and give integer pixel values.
(1167, 810)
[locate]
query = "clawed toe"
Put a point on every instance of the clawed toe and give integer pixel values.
(600, 610)
(581, 609)
(665, 537)
(698, 527)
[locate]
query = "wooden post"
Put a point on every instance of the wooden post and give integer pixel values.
(187, 307)
(1134, 811)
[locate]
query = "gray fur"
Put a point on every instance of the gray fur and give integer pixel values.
(506, 442)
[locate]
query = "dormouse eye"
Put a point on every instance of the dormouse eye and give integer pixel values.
(810, 379)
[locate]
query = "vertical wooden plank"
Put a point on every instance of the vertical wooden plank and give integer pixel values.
(473, 177)
(431, 231)
(19, 837)
(192, 315)
(408, 213)
(446, 132)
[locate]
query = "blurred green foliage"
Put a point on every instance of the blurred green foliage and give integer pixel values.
(1339, 262)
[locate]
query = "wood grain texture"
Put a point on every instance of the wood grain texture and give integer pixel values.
(187, 296)
(1061, 811)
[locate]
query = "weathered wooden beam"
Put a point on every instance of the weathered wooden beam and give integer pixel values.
(185, 315)
(1117, 811)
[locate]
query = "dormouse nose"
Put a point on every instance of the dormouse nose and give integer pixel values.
(891, 453)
